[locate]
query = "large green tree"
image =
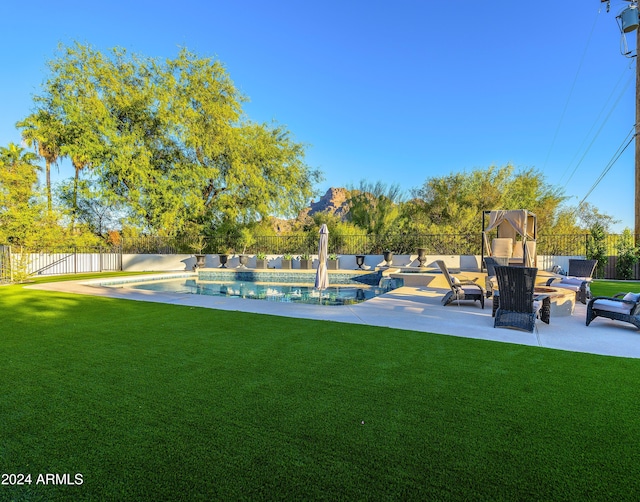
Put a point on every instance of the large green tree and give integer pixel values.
(170, 140)
(375, 207)
(454, 203)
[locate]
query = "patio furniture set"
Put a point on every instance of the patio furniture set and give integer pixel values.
(515, 303)
(518, 302)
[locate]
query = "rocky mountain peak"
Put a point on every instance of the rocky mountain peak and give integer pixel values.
(332, 202)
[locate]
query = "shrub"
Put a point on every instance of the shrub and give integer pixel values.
(627, 255)
(596, 247)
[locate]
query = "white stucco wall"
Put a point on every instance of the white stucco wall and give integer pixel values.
(164, 262)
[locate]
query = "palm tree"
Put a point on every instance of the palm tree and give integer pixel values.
(78, 164)
(42, 132)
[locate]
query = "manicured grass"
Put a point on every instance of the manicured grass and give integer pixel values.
(159, 402)
(81, 277)
(609, 288)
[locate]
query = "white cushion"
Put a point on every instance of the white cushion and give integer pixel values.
(632, 297)
(471, 290)
(565, 285)
(518, 250)
(612, 306)
(502, 247)
(575, 280)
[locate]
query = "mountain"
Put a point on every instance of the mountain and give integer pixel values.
(333, 202)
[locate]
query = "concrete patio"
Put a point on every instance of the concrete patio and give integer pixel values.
(415, 308)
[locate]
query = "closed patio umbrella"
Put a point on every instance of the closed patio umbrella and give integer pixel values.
(322, 276)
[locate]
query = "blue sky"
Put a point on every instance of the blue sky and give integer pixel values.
(388, 91)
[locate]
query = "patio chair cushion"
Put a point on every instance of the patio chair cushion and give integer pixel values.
(574, 280)
(470, 289)
(579, 285)
(631, 297)
(567, 285)
(502, 247)
(518, 250)
(612, 306)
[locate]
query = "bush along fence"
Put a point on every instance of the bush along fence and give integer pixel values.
(17, 263)
(442, 244)
(299, 243)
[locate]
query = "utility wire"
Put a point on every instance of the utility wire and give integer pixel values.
(584, 141)
(606, 119)
(575, 79)
(613, 160)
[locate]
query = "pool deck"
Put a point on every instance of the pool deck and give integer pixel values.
(416, 308)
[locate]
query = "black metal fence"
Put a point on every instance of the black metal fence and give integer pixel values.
(17, 261)
(299, 243)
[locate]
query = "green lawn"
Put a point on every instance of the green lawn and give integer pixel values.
(609, 288)
(158, 402)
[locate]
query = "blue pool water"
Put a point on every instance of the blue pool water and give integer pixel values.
(344, 294)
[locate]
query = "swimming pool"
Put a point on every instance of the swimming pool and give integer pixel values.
(339, 294)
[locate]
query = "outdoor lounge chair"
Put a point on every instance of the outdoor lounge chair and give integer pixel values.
(578, 279)
(518, 308)
(491, 262)
(620, 307)
(460, 290)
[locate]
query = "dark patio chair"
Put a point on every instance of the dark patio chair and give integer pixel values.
(460, 289)
(518, 307)
(577, 279)
(491, 262)
(623, 307)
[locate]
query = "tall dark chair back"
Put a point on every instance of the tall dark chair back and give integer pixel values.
(516, 288)
(491, 262)
(517, 307)
(582, 268)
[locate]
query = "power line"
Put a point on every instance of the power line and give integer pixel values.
(613, 160)
(604, 107)
(600, 128)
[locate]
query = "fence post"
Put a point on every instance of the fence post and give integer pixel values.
(5, 264)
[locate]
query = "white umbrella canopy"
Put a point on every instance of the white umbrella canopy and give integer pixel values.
(322, 276)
